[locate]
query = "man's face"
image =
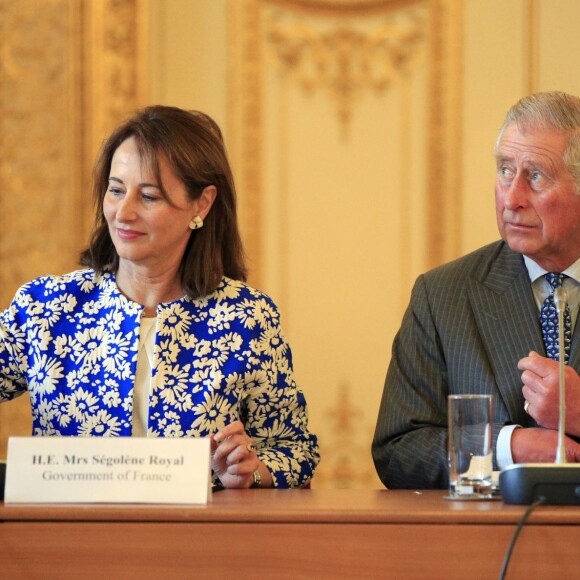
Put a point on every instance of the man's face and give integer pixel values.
(537, 209)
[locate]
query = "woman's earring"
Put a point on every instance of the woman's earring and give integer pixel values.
(196, 223)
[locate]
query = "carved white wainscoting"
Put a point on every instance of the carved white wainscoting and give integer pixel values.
(341, 131)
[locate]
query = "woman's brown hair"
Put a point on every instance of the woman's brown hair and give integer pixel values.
(193, 144)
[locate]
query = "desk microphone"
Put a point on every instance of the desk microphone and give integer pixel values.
(2, 479)
(560, 301)
(556, 483)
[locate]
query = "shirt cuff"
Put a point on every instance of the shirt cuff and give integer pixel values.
(503, 447)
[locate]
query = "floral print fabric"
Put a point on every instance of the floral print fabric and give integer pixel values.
(72, 342)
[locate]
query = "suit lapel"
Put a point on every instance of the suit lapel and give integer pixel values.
(508, 321)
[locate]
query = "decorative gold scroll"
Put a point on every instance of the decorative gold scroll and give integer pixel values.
(345, 60)
(342, 8)
(70, 69)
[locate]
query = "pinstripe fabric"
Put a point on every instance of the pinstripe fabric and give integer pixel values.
(467, 325)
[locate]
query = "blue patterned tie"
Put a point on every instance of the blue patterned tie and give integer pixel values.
(549, 321)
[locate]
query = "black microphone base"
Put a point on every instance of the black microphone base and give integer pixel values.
(555, 483)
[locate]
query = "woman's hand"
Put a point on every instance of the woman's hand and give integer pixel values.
(233, 456)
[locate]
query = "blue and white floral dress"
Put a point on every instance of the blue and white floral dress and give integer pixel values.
(72, 341)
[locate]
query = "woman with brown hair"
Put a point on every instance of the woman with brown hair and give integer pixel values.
(159, 335)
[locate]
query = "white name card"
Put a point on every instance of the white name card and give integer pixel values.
(107, 470)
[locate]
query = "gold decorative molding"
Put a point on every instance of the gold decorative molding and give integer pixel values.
(245, 118)
(347, 462)
(114, 81)
(38, 144)
(444, 132)
(115, 45)
(346, 60)
(342, 7)
(70, 70)
(38, 154)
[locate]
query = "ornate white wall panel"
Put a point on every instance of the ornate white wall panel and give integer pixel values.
(343, 117)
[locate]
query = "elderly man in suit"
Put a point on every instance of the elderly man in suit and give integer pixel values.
(474, 325)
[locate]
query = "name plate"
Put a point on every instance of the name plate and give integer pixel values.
(107, 470)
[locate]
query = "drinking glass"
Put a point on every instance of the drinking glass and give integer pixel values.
(470, 446)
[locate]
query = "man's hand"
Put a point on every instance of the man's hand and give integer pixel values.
(541, 389)
(537, 445)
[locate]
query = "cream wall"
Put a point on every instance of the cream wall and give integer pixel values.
(189, 55)
(511, 48)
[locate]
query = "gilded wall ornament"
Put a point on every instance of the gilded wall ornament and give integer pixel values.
(346, 462)
(347, 58)
(70, 70)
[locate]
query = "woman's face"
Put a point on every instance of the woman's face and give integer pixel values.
(146, 230)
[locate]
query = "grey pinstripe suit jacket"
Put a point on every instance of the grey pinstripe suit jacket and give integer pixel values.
(468, 324)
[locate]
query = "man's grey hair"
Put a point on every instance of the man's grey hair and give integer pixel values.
(550, 110)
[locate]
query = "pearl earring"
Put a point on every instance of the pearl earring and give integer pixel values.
(196, 223)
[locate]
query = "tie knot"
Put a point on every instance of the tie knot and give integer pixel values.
(555, 279)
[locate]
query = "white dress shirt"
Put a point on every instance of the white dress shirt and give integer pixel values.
(541, 289)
